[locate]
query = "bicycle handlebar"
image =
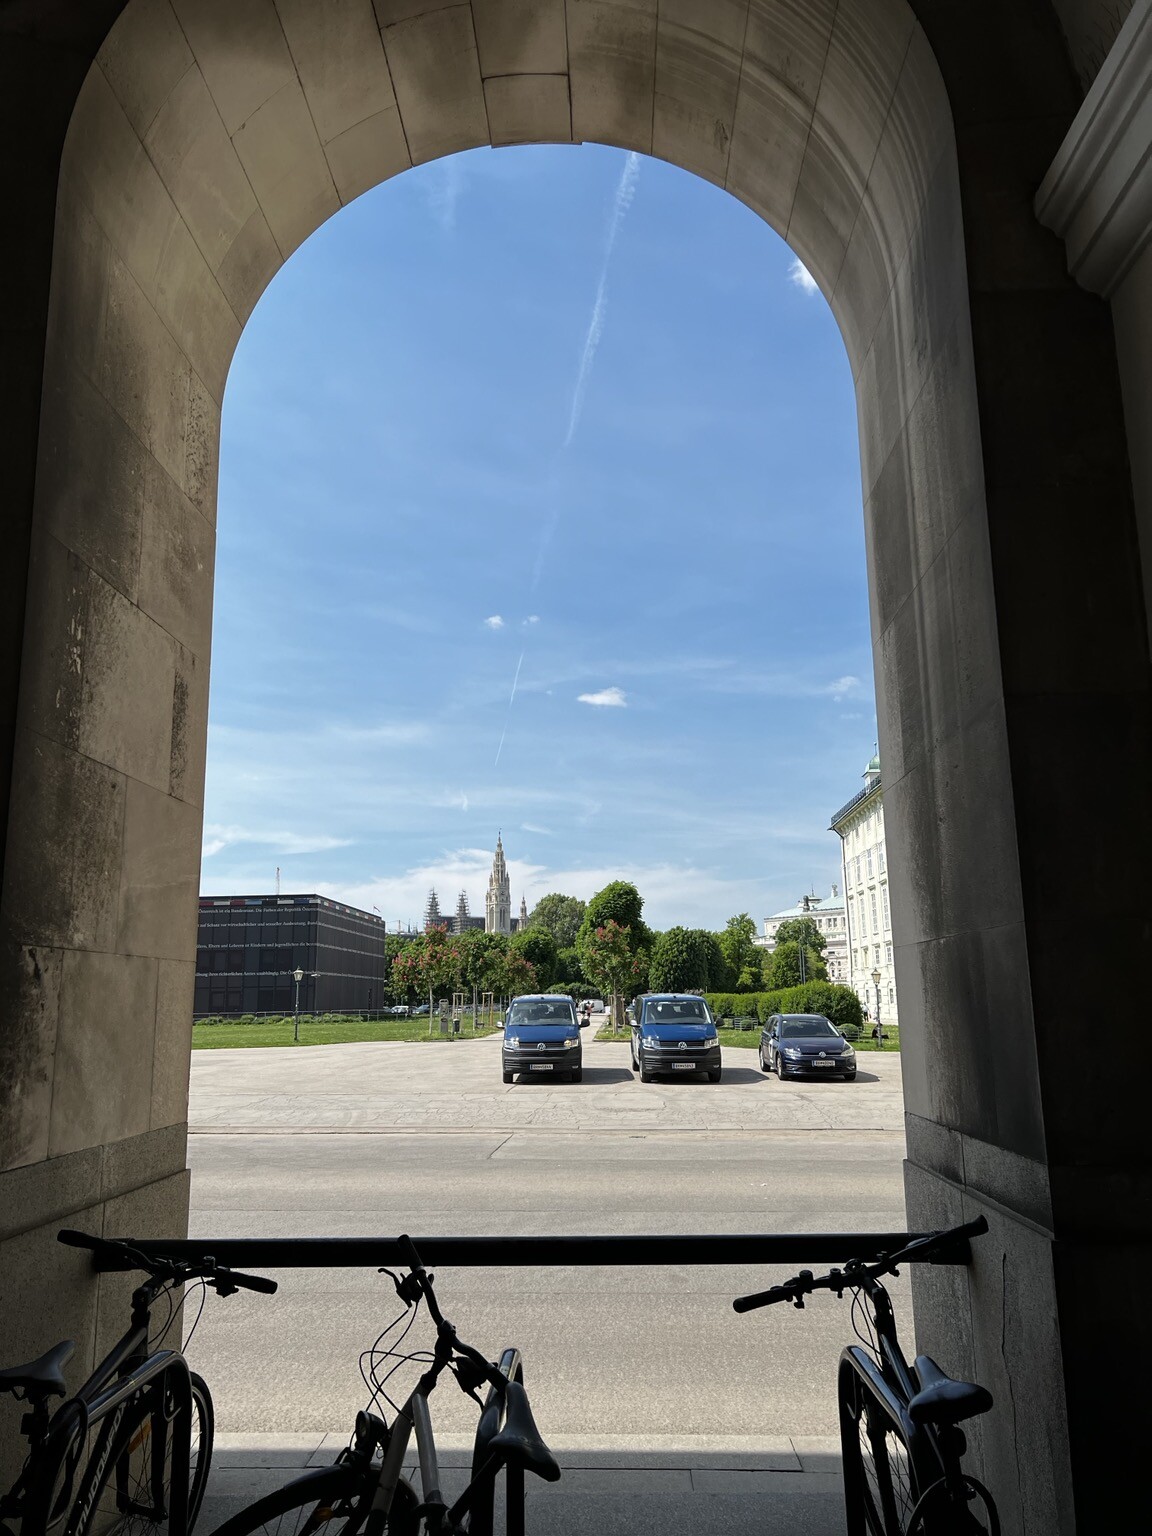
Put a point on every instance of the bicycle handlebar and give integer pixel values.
(121, 1254)
(856, 1273)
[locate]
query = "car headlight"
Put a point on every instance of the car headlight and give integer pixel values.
(512, 1040)
(572, 1042)
(650, 1041)
(710, 1041)
(847, 1051)
(792, 1053)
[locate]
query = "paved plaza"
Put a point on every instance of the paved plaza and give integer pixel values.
(666, 1410)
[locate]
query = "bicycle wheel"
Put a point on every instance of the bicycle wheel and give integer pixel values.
(879, 1487)
(939, 1512)
(132, 1495)
(334, 1500)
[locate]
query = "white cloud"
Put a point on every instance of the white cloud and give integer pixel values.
(217, 838)
(842, 687)
(528, 826)
(494, 621)
(799, 274)
(533, 618)
(607, 698)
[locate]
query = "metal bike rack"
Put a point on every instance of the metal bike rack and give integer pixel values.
(692, 1249)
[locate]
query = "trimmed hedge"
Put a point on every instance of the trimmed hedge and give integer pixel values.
(840, 1004)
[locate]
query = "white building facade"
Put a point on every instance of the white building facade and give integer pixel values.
(829, 915)
(864, 861)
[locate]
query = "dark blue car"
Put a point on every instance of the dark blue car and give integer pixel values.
(542, 1037)
(674, 1033)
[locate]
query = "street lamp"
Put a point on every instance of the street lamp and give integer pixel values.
(298, 977)
(879, 1026)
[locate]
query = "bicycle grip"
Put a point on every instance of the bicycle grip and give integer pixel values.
(110, 1253)
(761, 1299)
(252, 1282)
(408, 1250)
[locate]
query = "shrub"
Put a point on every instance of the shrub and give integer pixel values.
(850, 1031)
(840, 1004)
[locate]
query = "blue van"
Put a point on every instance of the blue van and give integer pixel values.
(674, 1032)
(542, 1036)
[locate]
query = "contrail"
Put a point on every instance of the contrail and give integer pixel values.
(625, 191)
(507, 716)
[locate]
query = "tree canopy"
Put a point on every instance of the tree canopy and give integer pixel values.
(683, 960)
(801, 930)
(539, 948)
(560, 915)
(743, 957)
(620, 903)
(784, 968)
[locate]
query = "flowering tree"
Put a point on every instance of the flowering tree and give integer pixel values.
(611, 964)
(430, 963)
(517, 974)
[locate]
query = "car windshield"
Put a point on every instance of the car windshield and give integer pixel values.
(540, 1012)
(806, 1029)
(690, 1010)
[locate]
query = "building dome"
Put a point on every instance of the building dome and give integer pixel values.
(873, 764)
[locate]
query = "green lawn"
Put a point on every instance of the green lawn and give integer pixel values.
(264, 1032)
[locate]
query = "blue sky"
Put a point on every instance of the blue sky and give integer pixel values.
(539, 512)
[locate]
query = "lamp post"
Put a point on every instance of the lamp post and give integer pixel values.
(879, 1026)
(297, 977)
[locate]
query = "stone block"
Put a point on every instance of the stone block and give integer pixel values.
(697, 83)
(190, 147)
(30, 985)
(133, 1161)
(102, 1089)
(528, 109)
(866, 49)
(825, 207)
(240, 48)
(339, 58)
(200, 461)
(790, 39)
(769, 135)
(177, 559)
(436, 76)
(128, 667)
(90, 485)
(612, 68)
(159, 878)
(252, 261)
(118, 182)
(81, 266)
(196, 310)
(189, 727)
(52, 691)
(364, 156)
(171, 1058)
(144, 57)
(862, 294)
(520, 37)
(156, 1208)
(62, 868)
(280, 152)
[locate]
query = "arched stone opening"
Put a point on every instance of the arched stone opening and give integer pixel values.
(206, 141)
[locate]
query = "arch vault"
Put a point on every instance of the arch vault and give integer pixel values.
(165, 157)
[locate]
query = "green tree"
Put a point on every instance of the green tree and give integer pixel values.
(612, 964)
(743, 959)
(516, 974)
(620, 903)
(560, 915)
(801, 930)
(482, 961)
(568, 967)
(680, 961)
(539, 948)
(784, 967)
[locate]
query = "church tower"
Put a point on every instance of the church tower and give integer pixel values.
(498, 902)
(523, 915)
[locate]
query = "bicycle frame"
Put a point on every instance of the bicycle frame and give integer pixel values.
(127, 1374)
(477, 1502)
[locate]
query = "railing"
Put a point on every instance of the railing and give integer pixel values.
(693, 1249)
(869, 789)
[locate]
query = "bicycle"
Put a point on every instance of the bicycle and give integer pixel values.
(130, 1452)
(360, 1492)
(900, 1429)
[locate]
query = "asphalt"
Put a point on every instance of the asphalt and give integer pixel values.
(667, 1410)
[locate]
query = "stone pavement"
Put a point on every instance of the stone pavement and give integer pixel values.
(388, 1085)
(611, 1486)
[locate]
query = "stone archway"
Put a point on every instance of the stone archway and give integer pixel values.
(206, 141)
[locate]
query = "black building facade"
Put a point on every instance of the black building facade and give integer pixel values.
(248, 947)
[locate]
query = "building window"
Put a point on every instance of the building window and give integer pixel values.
(888, 954)
(884, 899)
(875, 954)
(880, 856)
(891, 995)
(875, 919)
(868, 861)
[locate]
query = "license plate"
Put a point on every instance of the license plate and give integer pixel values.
(822, 1063)
(683, 1066)
(540, 1066)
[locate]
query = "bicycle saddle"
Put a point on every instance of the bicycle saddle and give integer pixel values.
(941, 1400)
(519, 1440)
(40, 1378)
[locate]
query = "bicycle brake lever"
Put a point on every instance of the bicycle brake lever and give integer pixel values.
(469, 1376)
(408, 1286)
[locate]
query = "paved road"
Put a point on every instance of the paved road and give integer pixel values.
(619, 1349)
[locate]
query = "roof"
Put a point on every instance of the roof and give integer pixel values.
(823, 905)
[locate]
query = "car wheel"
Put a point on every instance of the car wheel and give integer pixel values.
(577, 1074)
(508, 1076)
(645, 1075)
(849, 1077)
(714, 1077)
(763, 1063)
(780, 1068)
